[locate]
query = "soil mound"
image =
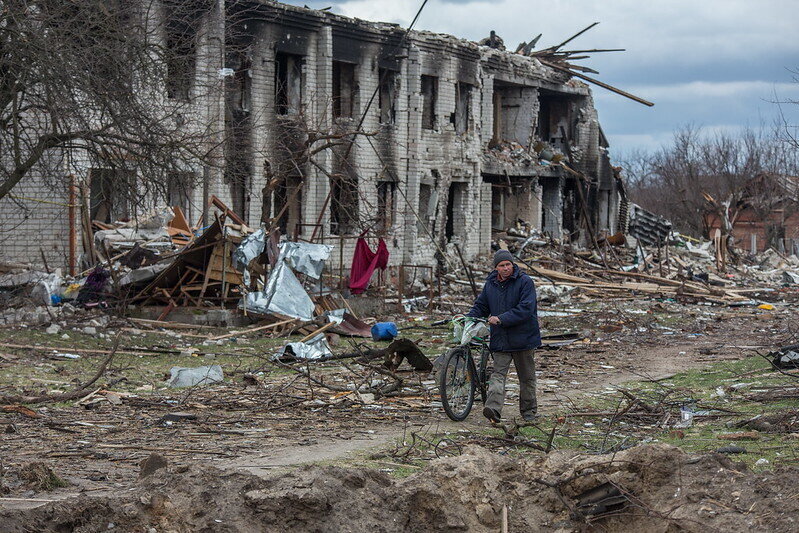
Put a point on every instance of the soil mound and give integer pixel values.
(647, 488)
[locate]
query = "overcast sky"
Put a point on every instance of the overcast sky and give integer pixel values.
(718, 64)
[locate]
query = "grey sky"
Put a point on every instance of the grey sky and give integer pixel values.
(718, 64)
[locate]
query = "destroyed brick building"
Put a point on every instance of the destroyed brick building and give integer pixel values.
(766, 216)
(456, 140)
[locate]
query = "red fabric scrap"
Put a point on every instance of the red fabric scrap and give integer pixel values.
(364, 263)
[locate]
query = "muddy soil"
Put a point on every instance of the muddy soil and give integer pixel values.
(660, 488)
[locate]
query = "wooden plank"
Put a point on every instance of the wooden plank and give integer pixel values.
(179, 222)
(78, 350)
(168, 325)
(252, 330)
(318, 331)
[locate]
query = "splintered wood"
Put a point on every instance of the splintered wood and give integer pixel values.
(200, 273)
(648, 284)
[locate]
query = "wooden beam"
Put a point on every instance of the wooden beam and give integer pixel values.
(597, 82)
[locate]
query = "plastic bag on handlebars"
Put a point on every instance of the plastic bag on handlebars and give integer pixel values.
(465, 328)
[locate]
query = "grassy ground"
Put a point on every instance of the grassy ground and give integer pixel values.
(722, 396)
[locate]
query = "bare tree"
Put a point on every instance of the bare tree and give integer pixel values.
(113, 80)
(700, 173)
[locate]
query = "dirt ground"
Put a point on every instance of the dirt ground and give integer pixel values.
(233, 449)
(663, 490)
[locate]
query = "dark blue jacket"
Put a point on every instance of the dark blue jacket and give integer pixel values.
(514, 302)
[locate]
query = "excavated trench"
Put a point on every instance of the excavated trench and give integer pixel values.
(648, 488)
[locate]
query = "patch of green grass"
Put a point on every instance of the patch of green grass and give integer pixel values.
(722, 389)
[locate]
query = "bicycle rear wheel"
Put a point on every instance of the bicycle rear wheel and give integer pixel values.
(457, 384)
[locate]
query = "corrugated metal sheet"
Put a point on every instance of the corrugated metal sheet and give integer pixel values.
(648, 227)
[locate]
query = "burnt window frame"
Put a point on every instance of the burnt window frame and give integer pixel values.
(386, 204)
(429, 104)
(344, 107)
(115, 189)
(462, 125)
(388, 91)
(288, 68)
(344, 202)
(425, 211)
(181, 30)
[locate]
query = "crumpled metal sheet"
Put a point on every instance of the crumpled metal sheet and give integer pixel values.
(126, 238)
(283, 294)
(251, 247)
(647, 227)
(306, 257)
(314, 349)
(142, 274)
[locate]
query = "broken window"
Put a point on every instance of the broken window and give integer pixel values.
(555, 120)
(385, 204)
(456, 211)
(288, 83)
(463, 97)
(110, 194)
(182, 21)
(514, 113)
(343, 89)
(387, 96)
(428, 201)
(178, 190)
(242, 84)
(289, 191)
(344, 204)
(498, 207)
(429, 97)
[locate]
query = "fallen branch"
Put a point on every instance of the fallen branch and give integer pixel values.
(79, 392)
(778, 369)
(386, 389)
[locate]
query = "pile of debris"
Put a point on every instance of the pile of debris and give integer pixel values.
(656, 263)
(511, 152)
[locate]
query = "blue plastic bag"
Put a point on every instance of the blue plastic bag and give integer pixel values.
(384, 331)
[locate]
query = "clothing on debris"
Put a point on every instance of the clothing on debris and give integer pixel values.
(364, 263)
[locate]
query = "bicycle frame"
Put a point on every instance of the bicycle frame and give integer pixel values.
(480, 369)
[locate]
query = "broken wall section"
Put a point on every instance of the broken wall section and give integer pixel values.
(447, 95)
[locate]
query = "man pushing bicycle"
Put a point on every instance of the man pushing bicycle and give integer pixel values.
(508, 299)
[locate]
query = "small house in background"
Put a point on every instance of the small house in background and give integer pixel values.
(767, 216)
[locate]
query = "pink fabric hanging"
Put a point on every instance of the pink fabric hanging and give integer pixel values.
(364, 263)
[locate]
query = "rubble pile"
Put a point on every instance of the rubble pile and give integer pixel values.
(680, 267)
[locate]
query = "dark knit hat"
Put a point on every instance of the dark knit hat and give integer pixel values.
(502, 255)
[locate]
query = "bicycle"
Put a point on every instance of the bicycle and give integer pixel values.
(460, 377)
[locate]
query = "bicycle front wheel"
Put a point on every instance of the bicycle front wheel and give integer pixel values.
(457, 384)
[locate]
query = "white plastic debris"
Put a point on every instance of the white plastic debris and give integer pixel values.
(189, 377)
